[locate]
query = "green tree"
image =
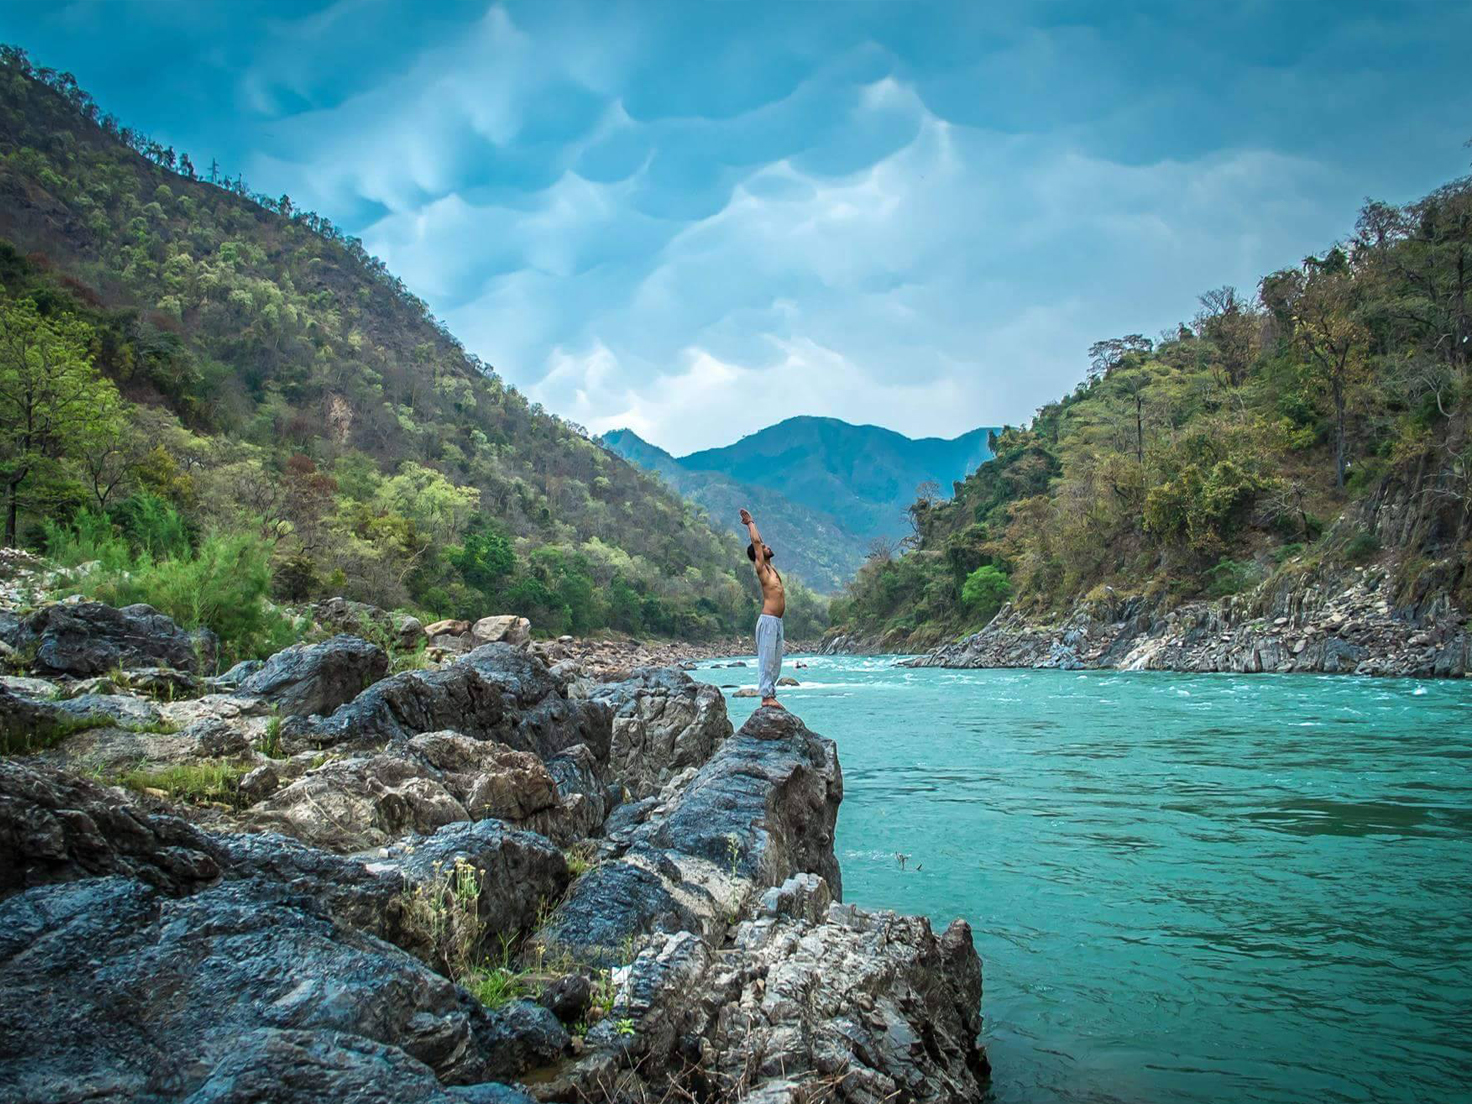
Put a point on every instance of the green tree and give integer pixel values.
(984, 591)
(52, 400)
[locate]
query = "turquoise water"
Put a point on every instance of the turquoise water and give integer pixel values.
(1183, 887)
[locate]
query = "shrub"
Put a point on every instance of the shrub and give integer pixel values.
(1361, 548)
(1230, 577)
(221, 586)
(984, 591)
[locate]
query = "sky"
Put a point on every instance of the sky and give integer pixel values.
(696, 219)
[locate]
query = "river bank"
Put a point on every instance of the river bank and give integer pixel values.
(490, 879)
(1350, 624)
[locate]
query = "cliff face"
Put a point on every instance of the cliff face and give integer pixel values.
(492, 881)
(1351, 622)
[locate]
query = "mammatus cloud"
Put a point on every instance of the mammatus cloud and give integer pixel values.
(697, 219)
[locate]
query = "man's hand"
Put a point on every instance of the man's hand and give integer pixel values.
(745, 516)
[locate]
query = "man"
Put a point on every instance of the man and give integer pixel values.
(769, 624)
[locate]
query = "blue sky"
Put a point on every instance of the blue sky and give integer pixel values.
(695, 219)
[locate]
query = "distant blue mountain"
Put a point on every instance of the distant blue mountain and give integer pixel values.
(822, 490)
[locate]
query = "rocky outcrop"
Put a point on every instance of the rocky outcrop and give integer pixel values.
(417, 785)
(167, 987)
(303, 941)
(1299, 625)
(317, 678)
(90, 638)
(811, 1000)
(496, 692)
(55, 827)
(663, 722)
(762, 809)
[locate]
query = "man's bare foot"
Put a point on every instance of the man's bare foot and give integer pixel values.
(774, 703)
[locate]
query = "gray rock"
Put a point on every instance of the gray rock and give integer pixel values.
(417, 785)
(90, 638)
(807, 992)
(169, 986)
(568, 997)
(663, 722)
(497, 692)
(762, 809)
(317, 678)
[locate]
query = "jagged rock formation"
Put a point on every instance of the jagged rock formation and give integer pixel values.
(1301, 626)
(154, 949)
(317, 678)
(663, 722)
(90, 638)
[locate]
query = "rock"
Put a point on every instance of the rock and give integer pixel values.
(505, 629)
(162, 682)
(57, 827)
(417, 785)
(317, 678)
(232, 678)
(663, 722)
(568, 997)
(447, 627)
(747, 692)
(787, 680)
(286, 1066)
(168, 987)
(762, 809)
(259, 784)
(809, 992)
(90, 638)
(497, 692)
(409, 631)
(30, 687)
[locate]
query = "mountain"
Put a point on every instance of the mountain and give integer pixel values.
(823, 491)
(810, 544)
(253, 372)
(863, 475)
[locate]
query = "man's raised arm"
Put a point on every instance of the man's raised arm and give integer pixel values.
(756, 538)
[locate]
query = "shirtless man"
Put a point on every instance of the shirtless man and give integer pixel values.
(769, 624)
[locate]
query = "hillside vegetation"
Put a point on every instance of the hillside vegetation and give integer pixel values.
(183, 362)
(1318, 424)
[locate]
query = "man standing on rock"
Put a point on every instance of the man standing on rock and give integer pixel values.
(769, 624)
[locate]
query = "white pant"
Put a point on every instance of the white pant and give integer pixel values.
(768, 653)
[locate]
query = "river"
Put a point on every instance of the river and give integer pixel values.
(1183, 887)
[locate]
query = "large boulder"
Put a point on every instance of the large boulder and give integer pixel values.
(762, 809)
(167, 987)
(501, 629)
(663, 722)
(497, 692)
(416, 785)
(58, 827)
(317, 678)
(871, 1005)
(55, 827)
(91, 638)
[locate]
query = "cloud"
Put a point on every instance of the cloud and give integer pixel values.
(698, 219)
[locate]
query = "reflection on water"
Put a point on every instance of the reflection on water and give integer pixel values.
(1184, 888)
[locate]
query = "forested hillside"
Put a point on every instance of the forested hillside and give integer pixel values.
(1317, 425)
(194, 375)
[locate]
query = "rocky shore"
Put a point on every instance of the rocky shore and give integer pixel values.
(1347, 625)
(523, 872)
